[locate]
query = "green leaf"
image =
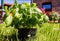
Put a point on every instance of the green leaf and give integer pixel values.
(9, 20)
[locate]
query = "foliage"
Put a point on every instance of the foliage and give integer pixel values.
(25, 15)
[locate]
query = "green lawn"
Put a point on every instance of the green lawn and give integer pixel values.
(47, 32)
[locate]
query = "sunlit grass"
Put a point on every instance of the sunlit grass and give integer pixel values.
(48, 32)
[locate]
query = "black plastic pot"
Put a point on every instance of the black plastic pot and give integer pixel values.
(25, 33)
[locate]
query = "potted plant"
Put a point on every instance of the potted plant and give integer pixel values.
(24, 17)
(53, 16)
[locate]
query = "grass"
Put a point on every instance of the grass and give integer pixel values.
(47, 32)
